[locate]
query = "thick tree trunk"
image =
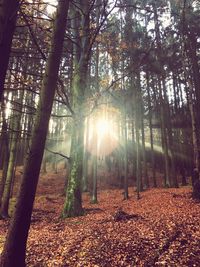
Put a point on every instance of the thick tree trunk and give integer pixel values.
(73, 202)
(15, 245)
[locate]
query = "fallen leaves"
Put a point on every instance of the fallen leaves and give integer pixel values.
(161, 229)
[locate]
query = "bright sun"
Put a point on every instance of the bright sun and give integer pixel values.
(102, 127)
(102, 137)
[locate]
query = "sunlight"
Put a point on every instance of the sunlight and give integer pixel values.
(51, 6)
(102, 129)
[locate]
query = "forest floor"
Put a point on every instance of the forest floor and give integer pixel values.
(162, 228)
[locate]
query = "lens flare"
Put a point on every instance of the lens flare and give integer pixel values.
(102, 137)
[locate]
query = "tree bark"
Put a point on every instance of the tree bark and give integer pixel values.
(8, 16)
(73, 202)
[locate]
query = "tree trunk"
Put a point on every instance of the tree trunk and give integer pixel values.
(124, 128)
(15, 245)
(14, 146)
(73, 202)
(8, 16)
(151, 134)
(11, 164)
(85, 158)
(145, 172)
(173, 175)
(4, 152)
(94, 184)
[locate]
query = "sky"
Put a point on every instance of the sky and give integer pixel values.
(50, 8)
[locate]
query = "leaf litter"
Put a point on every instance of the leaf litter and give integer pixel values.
(162, 228)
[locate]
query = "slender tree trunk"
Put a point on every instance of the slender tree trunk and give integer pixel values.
(4, 153)
(138, 164)
(15, 245)
(162, 99)
(94, 184)
(94, 173)
(124, 126)
(145, 172)
(85, 158)
(151, 135)
(137, 118)
(14, 147)
(196, 160)
(12, 160)
(173, 175)
(164, 139)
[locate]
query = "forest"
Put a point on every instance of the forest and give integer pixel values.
(99, 133)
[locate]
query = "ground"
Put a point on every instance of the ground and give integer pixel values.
(160, 229)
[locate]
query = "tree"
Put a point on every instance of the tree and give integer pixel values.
(8, 16)
(82, 50)
(15, 245)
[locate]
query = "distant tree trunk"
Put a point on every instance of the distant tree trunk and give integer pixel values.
(124, 128)
(145, 172)
(44, 164)
(151, 134)
(138, 164)
(8, 16)
(164, 138)
(94, 199)
(162, 98)
(15, 245)
(196, 160)
(12, 158)
(190, 58)
(137, 136)
(192, 52)
(4, 153)
(85, 158)
(173, 175)
(94, 172)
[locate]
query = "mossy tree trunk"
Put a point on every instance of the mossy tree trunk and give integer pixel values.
(73, 202)
(15, 246)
